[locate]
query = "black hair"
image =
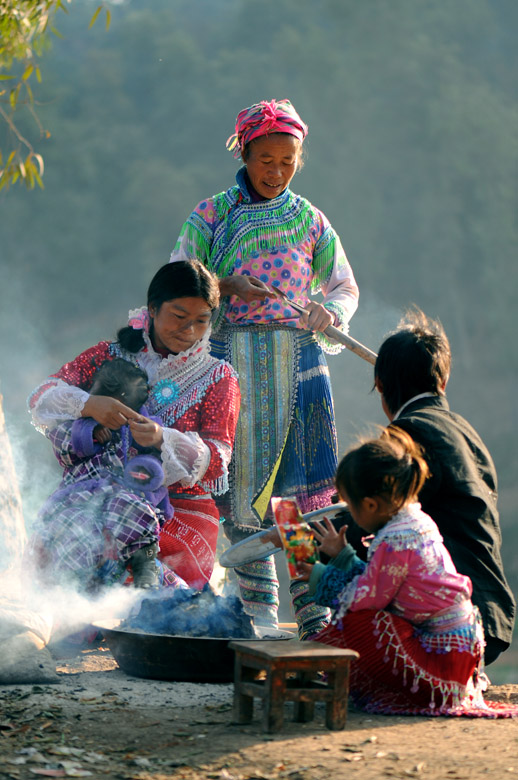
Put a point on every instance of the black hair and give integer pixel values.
(415, 359)
(118, 378)
(183, 279)
(392, 467)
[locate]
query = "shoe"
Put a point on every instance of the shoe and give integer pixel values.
(144, 568)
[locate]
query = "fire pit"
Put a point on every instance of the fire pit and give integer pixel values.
(175, 658)
(183, 635)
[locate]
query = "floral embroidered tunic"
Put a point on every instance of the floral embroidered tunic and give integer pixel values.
(285, 242)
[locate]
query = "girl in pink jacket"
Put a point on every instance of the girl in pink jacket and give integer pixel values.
(407, 611)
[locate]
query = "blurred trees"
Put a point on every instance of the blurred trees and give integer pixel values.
(412, 109)
(412, 116)
(23, 25)
(24, 36)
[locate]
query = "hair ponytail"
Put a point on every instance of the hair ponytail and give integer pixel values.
(392, 467)
(130, 339)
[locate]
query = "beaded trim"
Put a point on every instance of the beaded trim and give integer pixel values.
(401, 532)
(387, 637)
(180, 381)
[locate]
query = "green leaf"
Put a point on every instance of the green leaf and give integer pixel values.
(94, 17)
(4, 78)
(13, 96)
(38, 74)
(38, 179)
(27, 73)
(57, 33)
(108, 18)
(29, 176)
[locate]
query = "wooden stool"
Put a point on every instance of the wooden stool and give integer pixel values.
(278, 658)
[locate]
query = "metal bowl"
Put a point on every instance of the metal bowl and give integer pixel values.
(257, 546)
(175, 658)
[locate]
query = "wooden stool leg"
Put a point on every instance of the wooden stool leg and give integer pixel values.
(304, 711)
(336, 709)
(243, 704)
(273, 703)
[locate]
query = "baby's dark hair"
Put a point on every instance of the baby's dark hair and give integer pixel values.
(414, 359)
(121, 379)
(392, 467)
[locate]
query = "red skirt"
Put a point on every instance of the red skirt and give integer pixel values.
(188, 541)
(398, 674)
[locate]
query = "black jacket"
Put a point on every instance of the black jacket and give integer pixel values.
(461, 496)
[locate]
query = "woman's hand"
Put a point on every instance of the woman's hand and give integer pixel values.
(146, 432)
(108, 411)
(318, 317)
(248, 288)
(331, 541)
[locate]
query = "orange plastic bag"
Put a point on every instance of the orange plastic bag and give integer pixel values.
(296, 535)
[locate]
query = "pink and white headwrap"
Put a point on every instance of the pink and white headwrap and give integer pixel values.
(277, 116)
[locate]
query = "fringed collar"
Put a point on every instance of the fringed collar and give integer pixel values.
(245, 227)
(409, 529)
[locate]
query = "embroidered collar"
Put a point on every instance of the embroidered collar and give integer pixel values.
(410, 528)
(198, 348)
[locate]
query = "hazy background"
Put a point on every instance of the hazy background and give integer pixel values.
(412, 154)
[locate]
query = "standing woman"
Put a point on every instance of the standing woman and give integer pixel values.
(194, 394)
(259, 237)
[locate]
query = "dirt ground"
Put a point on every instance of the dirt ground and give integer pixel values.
(99, 722)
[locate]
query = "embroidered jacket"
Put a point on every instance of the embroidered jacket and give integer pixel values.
(195, 395)
(409, 572)
(286, 242)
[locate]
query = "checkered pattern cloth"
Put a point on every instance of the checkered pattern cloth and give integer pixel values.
(92, 518)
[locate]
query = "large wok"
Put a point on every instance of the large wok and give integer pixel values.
(175, 658)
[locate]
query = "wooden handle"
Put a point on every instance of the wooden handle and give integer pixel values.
(333, 333)
(355, 346)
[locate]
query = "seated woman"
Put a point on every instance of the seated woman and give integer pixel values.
(195, 395)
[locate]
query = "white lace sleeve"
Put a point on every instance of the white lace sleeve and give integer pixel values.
(185, 457)
(57, 403)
